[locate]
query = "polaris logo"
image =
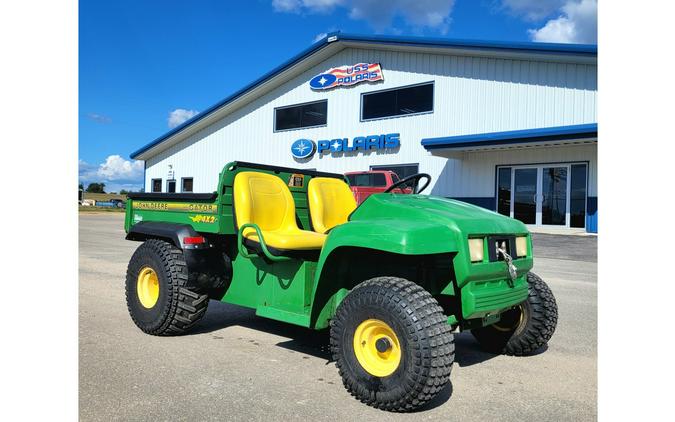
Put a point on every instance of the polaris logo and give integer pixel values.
(347, 75)
(305, 148)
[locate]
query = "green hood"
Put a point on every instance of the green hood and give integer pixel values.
(423, 210)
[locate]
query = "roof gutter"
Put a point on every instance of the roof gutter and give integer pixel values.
(513, 137)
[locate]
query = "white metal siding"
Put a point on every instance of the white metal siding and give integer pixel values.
(472, 95)
(474, 174)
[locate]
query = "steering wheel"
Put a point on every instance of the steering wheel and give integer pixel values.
(415, 178)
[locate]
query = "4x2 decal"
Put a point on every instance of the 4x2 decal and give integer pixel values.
(199, 218)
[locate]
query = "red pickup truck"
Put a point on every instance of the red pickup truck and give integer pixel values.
(366, 183)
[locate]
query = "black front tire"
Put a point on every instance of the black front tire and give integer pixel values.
(177, 308)
(427, 348)
(526, 328)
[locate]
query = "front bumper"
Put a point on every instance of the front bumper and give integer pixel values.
(486, 288)
(483, 298)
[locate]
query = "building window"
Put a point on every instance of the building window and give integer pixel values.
(156, 185)
(186, 184)
(171, 186)
(398, 102)
(367, 179)
(504, 190)
(301, 115)
(401, 170)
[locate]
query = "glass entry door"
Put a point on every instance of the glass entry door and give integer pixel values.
(554, 192)
(543, 194)
(525, 191)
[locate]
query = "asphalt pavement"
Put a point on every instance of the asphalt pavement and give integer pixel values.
(236, 366)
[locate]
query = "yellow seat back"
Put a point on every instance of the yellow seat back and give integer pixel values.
(265, 200)
(330, 203)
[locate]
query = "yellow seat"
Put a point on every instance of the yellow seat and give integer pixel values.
(265, 200)
(330, 203)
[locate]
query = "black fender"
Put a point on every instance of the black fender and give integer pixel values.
(175, 233)
(209, 268)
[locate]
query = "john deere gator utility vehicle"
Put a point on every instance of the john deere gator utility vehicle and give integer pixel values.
(391, 279)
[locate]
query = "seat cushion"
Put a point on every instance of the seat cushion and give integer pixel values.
(330, 202)
(264, 200)
(288, 240)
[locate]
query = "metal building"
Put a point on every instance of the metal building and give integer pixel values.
(507, 126)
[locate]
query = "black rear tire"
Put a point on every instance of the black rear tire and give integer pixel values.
(177, 308)
(526, 328)
(427, 348)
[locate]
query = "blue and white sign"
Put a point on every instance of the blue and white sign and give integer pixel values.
(347, 75)
(303, 148)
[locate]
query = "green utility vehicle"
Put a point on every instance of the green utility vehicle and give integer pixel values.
(391, 278)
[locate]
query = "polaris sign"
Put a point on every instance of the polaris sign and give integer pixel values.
(305, 148)
(347, 75)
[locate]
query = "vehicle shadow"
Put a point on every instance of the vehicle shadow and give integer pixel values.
(438, 400)
(317, 343)
(311, 342)
(303, 340)
(468, 352)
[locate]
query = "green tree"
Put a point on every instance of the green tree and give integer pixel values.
(96, 188)
(123, 192)
(80, 186)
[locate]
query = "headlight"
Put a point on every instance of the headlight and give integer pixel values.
(476, 249)
(521, 246)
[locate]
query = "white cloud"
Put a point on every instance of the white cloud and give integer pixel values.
(323, 5)
(86, 171)
(433, 14)
(578, 23)
(287, 5)
(533, 10)
(99, 118)
(319, 37)
(116, 172)
(179, 116)
(117, 168)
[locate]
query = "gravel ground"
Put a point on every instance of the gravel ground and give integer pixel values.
(236, 366)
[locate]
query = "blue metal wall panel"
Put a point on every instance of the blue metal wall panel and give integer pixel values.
(592, 214)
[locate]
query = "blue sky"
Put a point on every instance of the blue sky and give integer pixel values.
(146, 66)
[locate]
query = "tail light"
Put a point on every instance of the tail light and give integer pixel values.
(194, 240)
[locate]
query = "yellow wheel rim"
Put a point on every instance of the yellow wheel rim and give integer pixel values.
(147, 287)
(377, 348)
(518, 324)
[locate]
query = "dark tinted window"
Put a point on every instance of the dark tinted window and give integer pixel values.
(304, 115)
(156, 185)
(378, 180)
(187, 184)
(504, 191)
(578, 196)
(398, 102)
(367, 179)
(171, 186)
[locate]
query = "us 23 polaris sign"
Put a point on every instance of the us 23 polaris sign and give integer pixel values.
(347, 75)
(305, 148)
